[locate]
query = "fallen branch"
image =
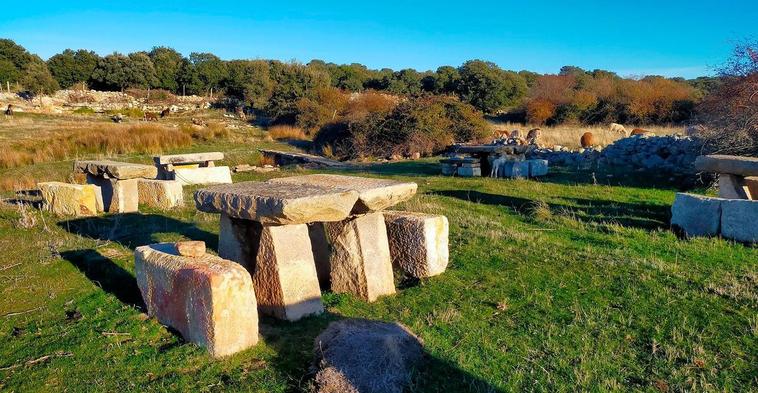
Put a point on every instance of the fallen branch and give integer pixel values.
(38, 360)
(115, 334)
(10, 314)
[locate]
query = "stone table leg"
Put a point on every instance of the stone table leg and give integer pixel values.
(119, 196)
(418, 242)
(360, 258)
(731, 187)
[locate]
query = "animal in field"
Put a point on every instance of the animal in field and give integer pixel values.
(533, 136)
(502, 134)
(9, 110)
(497, 166)
(587, 140)
(240, 113)
(515, 134)
(639, 131)
(117, 118)
(166, 112)
(149, 116)
(618, 128)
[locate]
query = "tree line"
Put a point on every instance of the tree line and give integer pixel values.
(274, 87)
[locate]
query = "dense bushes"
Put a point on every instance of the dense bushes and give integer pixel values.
(424, 125)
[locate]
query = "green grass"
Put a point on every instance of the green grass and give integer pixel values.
(554, 285)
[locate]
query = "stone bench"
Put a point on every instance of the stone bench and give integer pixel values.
(737, 175)
(418, 242)
(193, 168)
(697, 215)
(209, 300)
(461, 166)
(65, 199)
(118, 182)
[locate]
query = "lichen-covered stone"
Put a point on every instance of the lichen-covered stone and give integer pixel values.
(418, 242)
(209, 300)
(115, 169)
(360, 261)
(277, 203)
(119, 196)
(373, 194)
(696, 215)
(161, 194)
(65, 199)
(739, 220)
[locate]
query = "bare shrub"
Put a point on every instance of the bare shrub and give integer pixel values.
(283, 132)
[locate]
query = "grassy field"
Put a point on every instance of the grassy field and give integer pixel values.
(557, 284)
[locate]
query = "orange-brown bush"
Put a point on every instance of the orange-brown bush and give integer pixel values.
(363, 104)
(539, 110)
(284, 131)
(327, 105)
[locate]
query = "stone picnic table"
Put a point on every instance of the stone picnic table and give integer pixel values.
(118, 182)
(482, 153)
(296, 232)
(738, 176)
(193, 168)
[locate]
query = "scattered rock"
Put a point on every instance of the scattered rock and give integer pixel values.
(190, 248)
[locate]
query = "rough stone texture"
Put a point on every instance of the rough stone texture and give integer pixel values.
(373, 194)
(209, 300)
(739, 220)
(360, 355)
(360, 261)
(285, 277)
(203, 175)
(115, 169)
(162, 194)
(235, 240)
(448, 169)
(696, 215)
(190, 248)
(515, 169)
(730, 187)
(188, 158)
(65, 199)
(321, 252)
(734, 165)
(751, 183)
(119, 196)
(418, 242)
(537, 168)
(277, 203)
(469, 171)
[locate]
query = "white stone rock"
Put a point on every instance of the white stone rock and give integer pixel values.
(696, 215)
(515, 169)
(203, 175)
(118, 196)
(418, 242)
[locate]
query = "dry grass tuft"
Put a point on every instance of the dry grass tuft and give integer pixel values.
(284, 131)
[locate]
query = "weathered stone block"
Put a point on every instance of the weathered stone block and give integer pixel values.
(469, 171)
(515, 169)
(190, 248)
(161, 194)
(281, 263)
(277, 203)
(209, 300)
(730, 187)
(739, 220)
(734, 165)
(119, 196)
(203, 175)
(115, 169)
(188, 158)
(418, 242)
(696, 215)
(448, 169)
(65, 199)
(537, 168)
(360, 261)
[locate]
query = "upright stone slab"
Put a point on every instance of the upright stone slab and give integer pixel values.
(469, 170)
(537, 168)
(696, 215)
(321, 252)
(373, 194)
(418, 242)
(277, 203)
(515, 169)
(731, 187)
(161, 194)
(119, 196)
(739, 220)
(360, 259)
(65, 199)
(203, 175)
(209, 300)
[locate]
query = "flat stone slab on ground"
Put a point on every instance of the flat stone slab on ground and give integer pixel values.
(373, 194)
(696, 215)
(734, 165)
(188, 158)
(277, 203)
(202, 175)
(739, 220)
(209, 300)
(115, 169)
(418, 242)
(66, 199)
(161, 194)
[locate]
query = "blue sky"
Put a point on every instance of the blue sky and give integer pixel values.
(672, 38)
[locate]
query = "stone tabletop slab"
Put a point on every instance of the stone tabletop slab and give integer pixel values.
(115, 169)
(734, 165)
(373, 194)
(277, 203)
(188, 158)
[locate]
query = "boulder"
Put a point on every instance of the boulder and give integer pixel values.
(734, 165)
(373, 194)
(202, 175)
(118, 196)
(115, 169)
(360, 355)
(360, 261)
(65, 199)
(277, 203)
(696, 215)
(738, 220)
(190, 248)
(418, 242)
(161, 194)
(208, 300)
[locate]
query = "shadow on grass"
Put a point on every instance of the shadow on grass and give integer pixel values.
(638, 215)
(133, 229)
(107, 274)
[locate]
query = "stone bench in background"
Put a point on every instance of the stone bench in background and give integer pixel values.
(193, 168)
(118, 182)
(461, 166)
(738, 176)
(209, 300)
(65, 199)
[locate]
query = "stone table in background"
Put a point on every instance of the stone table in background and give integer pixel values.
(118, 182)
(193, 168)
(732, 172)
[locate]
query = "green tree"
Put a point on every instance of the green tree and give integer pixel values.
(37, 78)
(13, 60)
(293, 81)
(140, 71)
(445, 80)
(407, 81)
(250, 81)
(70, 67)
(112, 72)
(210, 71)
(168, 64)
(488, 88)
